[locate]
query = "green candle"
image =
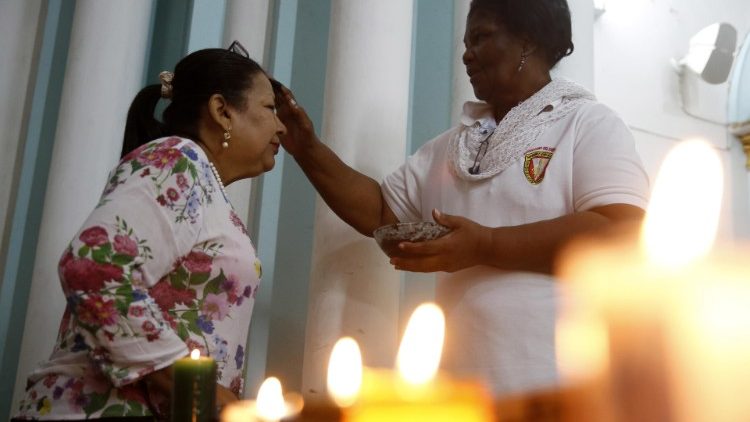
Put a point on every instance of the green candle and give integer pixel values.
(194, 389)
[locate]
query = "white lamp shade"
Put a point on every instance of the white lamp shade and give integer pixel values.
(711, 52)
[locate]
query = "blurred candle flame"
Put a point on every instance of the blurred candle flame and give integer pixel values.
(270, 402)
(682, 218)
(420, 350)
(345, 372)
(195, 354)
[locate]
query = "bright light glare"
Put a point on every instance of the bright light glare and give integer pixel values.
(270, 401)
(582, 344)
(683, 216)
(345, 372)
(420, 350)
(195, 354)
(625, 8)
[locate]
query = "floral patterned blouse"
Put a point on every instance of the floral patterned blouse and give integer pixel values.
(163, 265)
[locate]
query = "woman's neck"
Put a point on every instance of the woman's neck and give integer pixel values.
(526, 87)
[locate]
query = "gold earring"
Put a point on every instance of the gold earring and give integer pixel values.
(227, 137)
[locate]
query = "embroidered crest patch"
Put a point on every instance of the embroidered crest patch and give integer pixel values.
(535, 164)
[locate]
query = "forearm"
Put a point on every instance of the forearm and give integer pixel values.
(534, 246)
(353, 196)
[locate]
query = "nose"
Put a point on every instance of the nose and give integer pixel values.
(466, 57)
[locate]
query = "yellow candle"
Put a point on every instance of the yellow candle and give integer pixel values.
(271, 405)
(672, 308)
(194, 389)
(417, 392)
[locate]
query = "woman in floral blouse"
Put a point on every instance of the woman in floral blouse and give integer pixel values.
(163, 265)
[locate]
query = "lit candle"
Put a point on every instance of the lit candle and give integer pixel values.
(667, 316)
(194, 389)
(271, 405)
(416, 392)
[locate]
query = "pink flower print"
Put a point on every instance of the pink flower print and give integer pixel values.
(215, 306)
(162, 157)
(169, 143)
(94, 236)
(125, 245)
(197, 262)
(167, 317)
(182, 182)
(161, 200)
(50, 380)
(248, 291)
(137, 311)
(237, 221)
(88, 276)
(230, 285)
(146, 172)
(134, 153)
(236, 385)
(148, 327)
(167, 296)
(76, 398)
(172, 194)
(95, 310)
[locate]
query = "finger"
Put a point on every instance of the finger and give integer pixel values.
(446, 220)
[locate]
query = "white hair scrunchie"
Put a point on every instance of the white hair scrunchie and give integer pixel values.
(166, 83)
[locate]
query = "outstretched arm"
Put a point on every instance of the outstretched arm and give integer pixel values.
(528, 247)
(353, 196)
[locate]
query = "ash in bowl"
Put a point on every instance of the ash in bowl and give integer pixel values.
(388, 237)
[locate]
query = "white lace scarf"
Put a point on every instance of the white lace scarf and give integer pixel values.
(516, 132)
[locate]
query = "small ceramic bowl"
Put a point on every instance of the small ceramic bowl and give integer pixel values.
(388, 237)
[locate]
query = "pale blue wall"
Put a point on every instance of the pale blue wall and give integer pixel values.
(739, 96)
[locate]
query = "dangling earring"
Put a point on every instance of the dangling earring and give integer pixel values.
(523, 61)
(227, 137)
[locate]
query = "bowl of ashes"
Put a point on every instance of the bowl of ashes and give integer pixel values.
(388, 237)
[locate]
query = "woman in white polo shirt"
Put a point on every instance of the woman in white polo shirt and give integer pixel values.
(535, 163)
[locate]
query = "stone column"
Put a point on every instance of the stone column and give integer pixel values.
(103, 73)
(353, 289)
(247, 22)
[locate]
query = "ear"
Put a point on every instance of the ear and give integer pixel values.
(218, 110)
(528, 46)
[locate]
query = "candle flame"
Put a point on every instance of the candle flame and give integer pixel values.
(345, 372)
(195, 354)
(419, 354)
(270, 402)
(683, 216)
(582, 345)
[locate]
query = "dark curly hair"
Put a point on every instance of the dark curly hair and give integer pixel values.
(546, 23)
(196, 78)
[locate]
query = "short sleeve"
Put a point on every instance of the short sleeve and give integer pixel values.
(606, 166)
(404, 189)
(149, 215)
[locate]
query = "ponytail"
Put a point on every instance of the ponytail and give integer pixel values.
(141, 126)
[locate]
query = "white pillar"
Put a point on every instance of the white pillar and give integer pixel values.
(462, 90)
(247, 22)
(353, 289)
(103, 73)
(579, 66)
(20, 21)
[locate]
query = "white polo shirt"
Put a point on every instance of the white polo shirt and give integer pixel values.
(500, 325)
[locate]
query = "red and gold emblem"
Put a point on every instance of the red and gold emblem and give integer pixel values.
(535, 164)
